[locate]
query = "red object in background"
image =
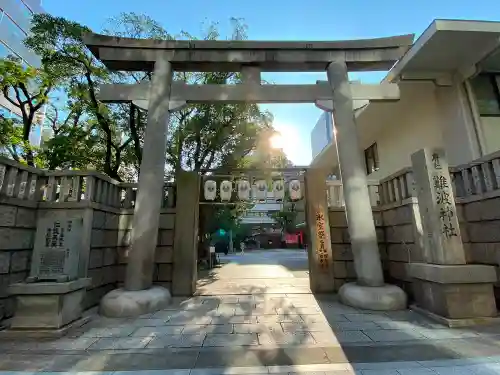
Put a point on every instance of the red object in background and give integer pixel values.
(291, 238)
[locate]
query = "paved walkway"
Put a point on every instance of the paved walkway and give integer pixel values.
(256, 315)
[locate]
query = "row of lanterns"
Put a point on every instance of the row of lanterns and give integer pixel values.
(243, 190)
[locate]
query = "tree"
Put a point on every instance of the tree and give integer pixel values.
(200, 136)
(74, 141)
(60, 44)
(27, 89)
(286, 217)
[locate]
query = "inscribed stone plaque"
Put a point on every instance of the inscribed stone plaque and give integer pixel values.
(437, 208)
(321, 244)
(58, 244)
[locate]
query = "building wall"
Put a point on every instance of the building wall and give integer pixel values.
(407, 126)
(15, 23)
(490, 128)
(460, 138)
(322, 134)
(484, 92)
(427, 115)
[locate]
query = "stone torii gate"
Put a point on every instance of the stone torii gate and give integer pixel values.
(161, 96)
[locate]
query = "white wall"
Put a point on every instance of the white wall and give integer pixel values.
(426, 116)
(460, 137)
(490, 127)
(402, 128)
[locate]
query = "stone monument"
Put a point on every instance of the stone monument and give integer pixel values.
(51, 297)
(446, 288)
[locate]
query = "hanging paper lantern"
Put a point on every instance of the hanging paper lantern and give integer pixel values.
(294, 190)
(278, 189)
(226, 190)
(210, 190)
(243, 190)
(261, 190)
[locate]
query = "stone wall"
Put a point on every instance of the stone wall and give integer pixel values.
(402, 241)
(480, 230)
(343, 265)
(398, 243)
(110, 238)
(164, 250)
(103, 257)
(17, 233)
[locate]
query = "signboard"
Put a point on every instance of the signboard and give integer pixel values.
(58, 244)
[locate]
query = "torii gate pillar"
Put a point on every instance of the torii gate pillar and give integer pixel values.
(369, 292)
(139, 296)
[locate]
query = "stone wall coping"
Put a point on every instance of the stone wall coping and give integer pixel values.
(11, 201)
(404, 202)
(476, 162)
(453, 274)
(49, 287)
(88, 204)
(23, 167)
(478, 197)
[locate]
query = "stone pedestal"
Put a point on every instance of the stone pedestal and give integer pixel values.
(455, 295)
(47, 305)
(121, 303)
(379, 298)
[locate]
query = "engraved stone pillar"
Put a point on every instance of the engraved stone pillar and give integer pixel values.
(443, 242)
(318, 225)
(446, 288)
(370, 291)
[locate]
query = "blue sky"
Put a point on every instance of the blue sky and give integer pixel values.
(287, 20)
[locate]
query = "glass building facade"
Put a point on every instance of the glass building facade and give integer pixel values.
(15, 20)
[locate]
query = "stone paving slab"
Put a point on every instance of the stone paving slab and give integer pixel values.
(332, 326)
(485, 367)
(277, 326)
(161, 356)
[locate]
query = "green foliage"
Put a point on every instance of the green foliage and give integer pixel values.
(109, 137)
(26, 89)
(285, 219)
